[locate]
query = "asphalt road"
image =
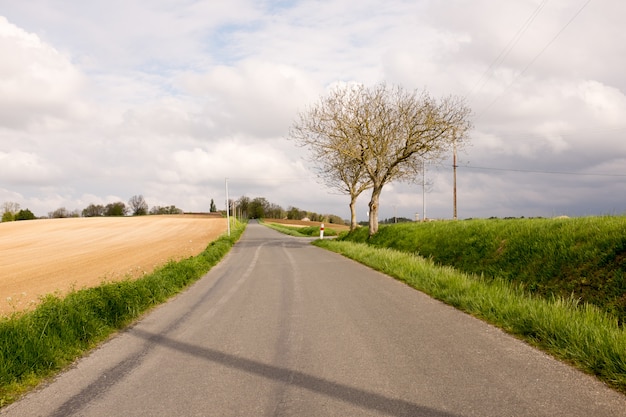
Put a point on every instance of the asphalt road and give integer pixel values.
(282, 328)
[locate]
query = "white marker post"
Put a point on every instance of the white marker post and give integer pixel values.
(322, 231)
(227, 210)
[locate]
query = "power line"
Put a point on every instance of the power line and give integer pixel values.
(579, 132)
(532, 61)
(543, 172)
(507, 49)
(272, 179)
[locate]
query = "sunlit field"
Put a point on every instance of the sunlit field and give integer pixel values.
(46, 256)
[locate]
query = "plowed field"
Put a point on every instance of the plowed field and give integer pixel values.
(305, 223)
(39, 257)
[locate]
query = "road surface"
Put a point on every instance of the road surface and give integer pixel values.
(282, 328)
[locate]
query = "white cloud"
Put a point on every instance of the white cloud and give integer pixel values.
(23, 168)
(607, 104)
(38, 85)
(254, 97)
(95, 106)
(253, 164)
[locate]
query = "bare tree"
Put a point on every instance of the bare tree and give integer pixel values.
(379, 135)
(10, 209)
(326, 128)
(138, 205)
(243, 203)
(60, 213)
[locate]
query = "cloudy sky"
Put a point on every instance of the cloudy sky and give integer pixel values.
(103, 100)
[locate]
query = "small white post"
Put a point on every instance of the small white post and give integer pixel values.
(322, 231)
(227, 208)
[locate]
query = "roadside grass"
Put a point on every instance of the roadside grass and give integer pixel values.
(37, 344)
(583, 258)
(297, 231)
(579, 334)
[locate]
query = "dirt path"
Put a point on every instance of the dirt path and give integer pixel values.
(45, 256)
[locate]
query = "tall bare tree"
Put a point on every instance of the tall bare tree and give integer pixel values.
(380, 134)
(327, 129)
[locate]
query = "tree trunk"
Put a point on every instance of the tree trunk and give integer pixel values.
(353, 223)
(373, 204)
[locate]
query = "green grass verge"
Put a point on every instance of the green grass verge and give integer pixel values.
(35, 345)
(581, 257)
(581, 335)
(309, 231)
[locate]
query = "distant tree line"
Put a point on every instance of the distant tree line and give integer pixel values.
(260, 208)
(244, 207)
(137, 206)
(390, 220)
(165, 210)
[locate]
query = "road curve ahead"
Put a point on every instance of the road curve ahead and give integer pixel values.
(282, 328)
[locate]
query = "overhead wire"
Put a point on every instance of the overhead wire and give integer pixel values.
(583, 174)
(506, 50)
(580, 133)
(500, 59)
(535, 58)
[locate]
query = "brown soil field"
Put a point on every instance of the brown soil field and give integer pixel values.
(302, 223)
(40, 257)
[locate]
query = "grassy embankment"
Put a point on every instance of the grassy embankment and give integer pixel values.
(556, 283)
(35, 345)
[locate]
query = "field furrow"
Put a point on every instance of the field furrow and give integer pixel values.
(39, 257)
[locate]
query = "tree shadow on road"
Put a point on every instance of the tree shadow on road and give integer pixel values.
(359, 397)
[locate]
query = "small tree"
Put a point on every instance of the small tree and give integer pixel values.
(258, 207)
(25, 215)
(115, 209)
(138, 206)
(60, 213)
(93, 210)
(243, 204)
(294, 213)
(213, 209)
(335, 219)
(274, 211)
(10, 209)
